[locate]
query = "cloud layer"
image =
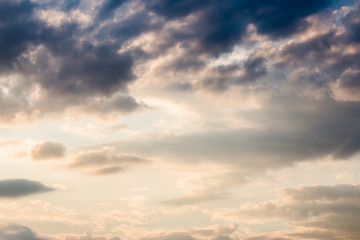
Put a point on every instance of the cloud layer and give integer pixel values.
(219, 95)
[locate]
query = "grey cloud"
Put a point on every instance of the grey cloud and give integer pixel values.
(353, 25)
(181, 86)
(107, 9)
(173, 236)
(18, 30)
(254, 68)
(291, 132)
(217, 84)
(88, 236)
(48, 150)
(220, 25)
(117, 103)
(130, 27)
(222, 77)
(17, 232)
(81, 65)
(324, 210)
(331, 193)
(105, 161)
(66, 69)
(311, 83)
(319, 54)
(109, 170)
(71, 4)
(91, 70)
(347, 86)
(14, 188)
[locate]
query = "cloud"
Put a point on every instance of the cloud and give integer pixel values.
(48, 150)
(220, 25)
(107, 9)
(18, 30)
(14, 188)
(173, 236)
(71, 4)
(212, 185)
(70, 67)
(347, 86)
(315, 211)
(105, 161)
(17, 232)
(289, 132)
(88, 236)
(55, 70)
(215, 232)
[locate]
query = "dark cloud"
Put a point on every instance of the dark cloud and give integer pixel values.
(92, 69)
(17, 232)
(84, 64)
(70, 4)
(14, 188)
(347, 86)
(278, 18)
(48, 150)
(130, 27)
(254, 68)
(221, 24)
(61, 63)
(222, 77)
(311, 50)
(174, 9)
(108, 8)
(18, 30)
(351, 21)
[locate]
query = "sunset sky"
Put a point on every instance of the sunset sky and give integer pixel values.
(179, 120)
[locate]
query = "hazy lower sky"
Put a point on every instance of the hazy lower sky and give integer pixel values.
(179, 120)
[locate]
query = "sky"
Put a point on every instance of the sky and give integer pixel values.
(179, 120)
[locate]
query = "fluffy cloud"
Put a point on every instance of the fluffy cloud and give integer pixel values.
(48, 150)
(54, 69)
(73, 66)
(14, 188)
